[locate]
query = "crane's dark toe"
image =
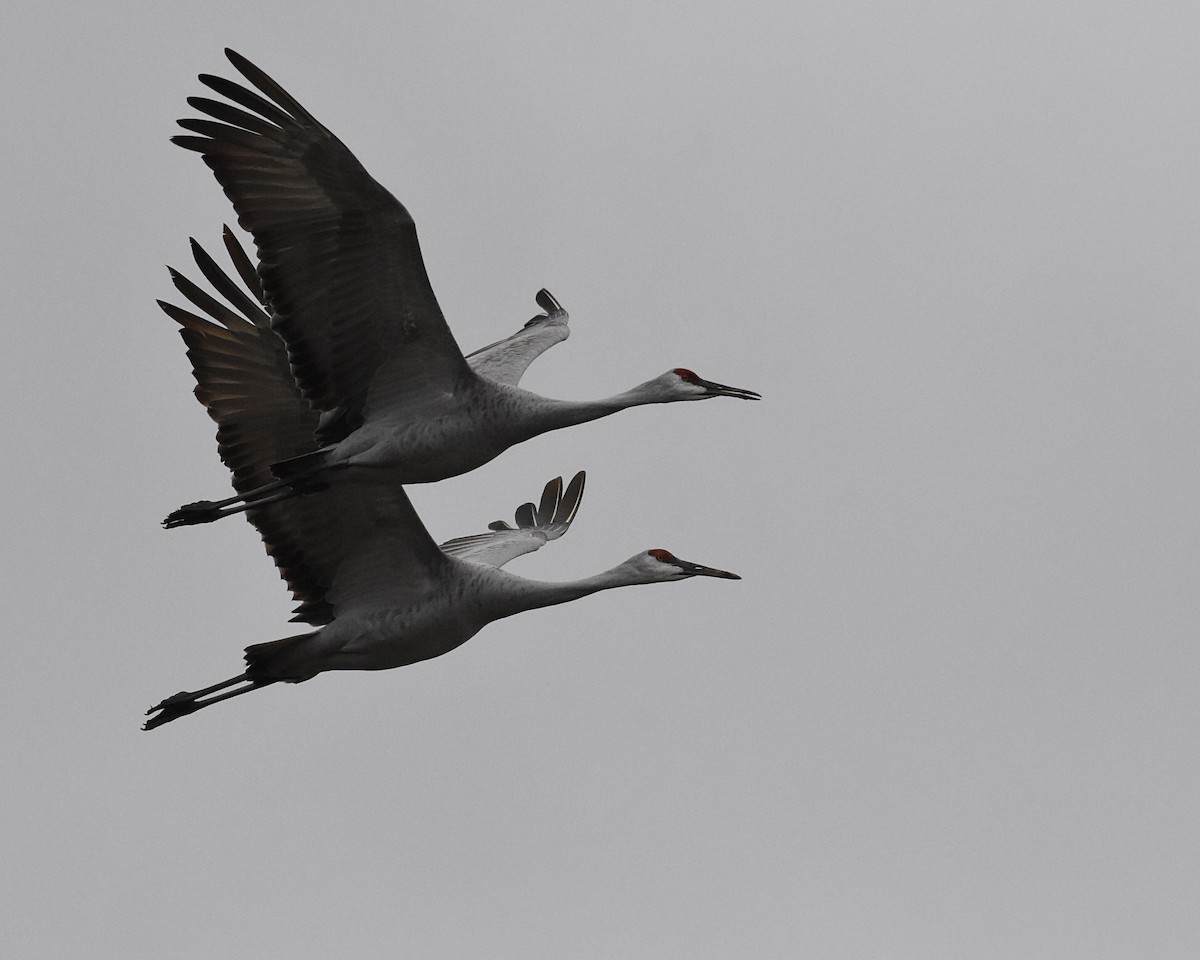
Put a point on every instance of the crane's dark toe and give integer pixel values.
(183, 696)
(180, 705)
(202, 511)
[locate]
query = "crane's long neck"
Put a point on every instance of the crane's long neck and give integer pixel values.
(519, 594)
(556, 414)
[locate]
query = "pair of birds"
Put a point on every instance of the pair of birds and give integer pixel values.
(334, 379)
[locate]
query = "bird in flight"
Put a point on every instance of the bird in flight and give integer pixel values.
(504, 358)
(349, 300)
(385, 595)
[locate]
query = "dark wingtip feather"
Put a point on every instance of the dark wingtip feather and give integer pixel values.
(550, 497)
(259, 78)
(174, 312)
(199, 144)
(224, 285)
(571, 498)
(244, 265)
(212, 81)
(545, 300)
(526, 517)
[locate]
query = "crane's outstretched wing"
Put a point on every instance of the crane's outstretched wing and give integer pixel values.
(506, 361)
(338, 255)
(243, 379)
(370, 548)
(241, 371)
(535, 527)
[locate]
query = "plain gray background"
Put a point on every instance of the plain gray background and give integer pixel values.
(951, 709)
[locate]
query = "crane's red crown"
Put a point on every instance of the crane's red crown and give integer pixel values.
(666, 556)
(685, 374)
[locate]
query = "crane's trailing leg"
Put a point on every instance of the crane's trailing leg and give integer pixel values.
(206, 511)
(185, 702)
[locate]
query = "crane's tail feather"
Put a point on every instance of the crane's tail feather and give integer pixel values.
(278, 660)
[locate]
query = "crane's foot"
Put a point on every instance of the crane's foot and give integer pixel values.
(202, 511)
(170, 709)
(183, 696)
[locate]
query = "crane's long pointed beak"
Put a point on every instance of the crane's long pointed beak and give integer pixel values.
(720, 390)
(699, 570)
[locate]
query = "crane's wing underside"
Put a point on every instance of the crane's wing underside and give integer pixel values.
(369, 545)
(241, 371)
(244, 381)
(380, 557)
(506, 361)
(340, 263)
(536, 526)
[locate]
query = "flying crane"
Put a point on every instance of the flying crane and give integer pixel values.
(348, 296)
(387, 596)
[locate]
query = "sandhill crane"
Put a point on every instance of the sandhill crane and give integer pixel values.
(349, 297)
(388, 596)
(358, 560)
(505, 360)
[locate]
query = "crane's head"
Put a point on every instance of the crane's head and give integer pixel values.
(655, 566)
(683, 384)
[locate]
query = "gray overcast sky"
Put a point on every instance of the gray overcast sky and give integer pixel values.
(951, 709)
